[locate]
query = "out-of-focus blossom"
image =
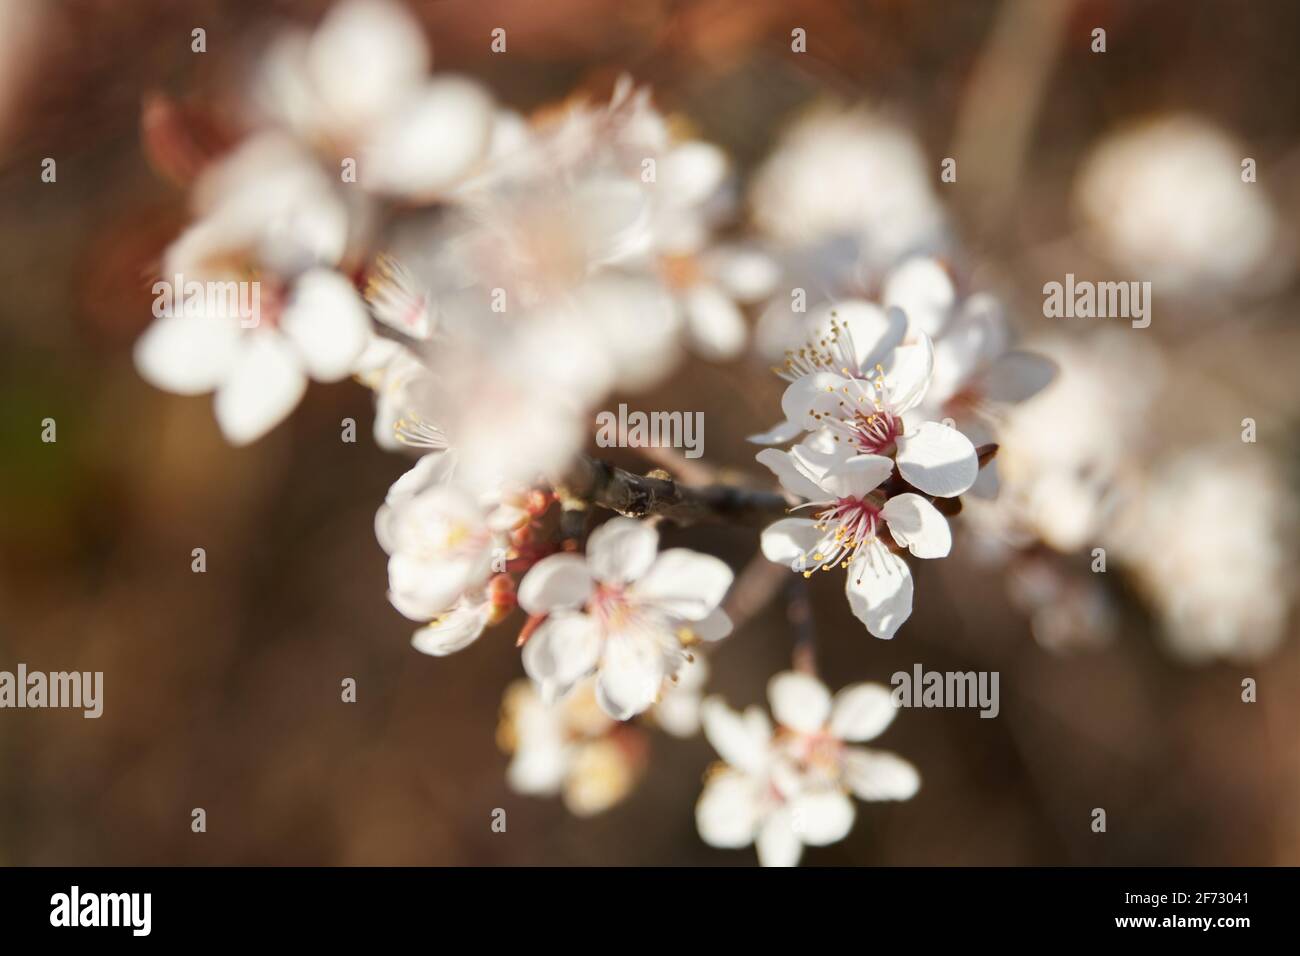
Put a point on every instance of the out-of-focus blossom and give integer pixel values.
(788, 789)
(849, 173)
(625, 612)
(1166, 201)
(271, 224)
(1066, 454)
(568, 747)
(1209, 538)
(357, 87)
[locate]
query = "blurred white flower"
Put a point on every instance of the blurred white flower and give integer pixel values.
(625, 612)
(270, 224)
(786, 790)
(1209, 537)
(846, 172)
(1166, 201)
(568, 747)
(357, 87)
(1068, 453)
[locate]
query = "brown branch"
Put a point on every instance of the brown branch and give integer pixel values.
(594, 482)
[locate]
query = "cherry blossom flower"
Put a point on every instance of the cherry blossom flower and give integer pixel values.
(270, 220)
(786, 789)
(850, 512)
(625, 612)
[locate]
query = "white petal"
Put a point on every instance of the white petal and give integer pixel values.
(879, 588)
(862, 711)
(631, 672)
(432, 141)
(685, 583)
(747, 275)
(922, 289)
(778, 434)
(621, 550)
(819, 819)
(793, 479)
(364, 55)
(819, 392)
(727, 812)
(712, 628)
(692, 172)
(538, 770)
(789, 540)
(918, 526)
(938, 460)
(453, 631)
(744, 741)
(265, 384)
(879, 775)
(910, 372)
(799, 701)
(187, 355)
(563, 650)
(422, 590)
(1018, 376)
(558, 581)
(777, 843)
(855, 477)
(328, 322)
(714, 323)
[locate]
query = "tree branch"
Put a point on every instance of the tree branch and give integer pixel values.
(594, 482)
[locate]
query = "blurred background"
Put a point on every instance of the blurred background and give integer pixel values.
(222, 689)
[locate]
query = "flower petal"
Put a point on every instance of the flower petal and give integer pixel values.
(742, 740)
(714, 323)
(187, 355)
(867, 331)
(911, 369)
(799, 701)
(265, 383)
(685, 583)
(938, 460)
(328, 323)
(562, 651)
(778, 434)
(631, 672)
(879, 588)
(793, 478)
(431, 142)
(453, 631)
(918, 526)
(819, 819)
(922, 289)
(855, 477)
(879, 775)
(788, 541)
(777, 843)
(862, 711)
(727, 812)
(621, 550)
(558, 581)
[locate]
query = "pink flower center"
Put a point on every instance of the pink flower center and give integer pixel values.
(852, 523)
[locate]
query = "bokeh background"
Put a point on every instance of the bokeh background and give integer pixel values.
(222, 689)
